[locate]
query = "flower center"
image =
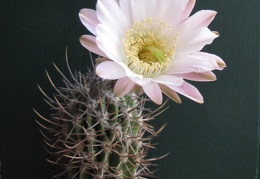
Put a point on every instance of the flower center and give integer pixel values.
(149, 47)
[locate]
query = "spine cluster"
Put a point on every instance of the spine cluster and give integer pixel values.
(91, 134)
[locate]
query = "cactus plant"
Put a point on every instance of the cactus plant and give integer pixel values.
(93, 134)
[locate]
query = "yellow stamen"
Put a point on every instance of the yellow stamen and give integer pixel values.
(149, 47)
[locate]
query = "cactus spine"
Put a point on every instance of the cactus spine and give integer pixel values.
(92, 134)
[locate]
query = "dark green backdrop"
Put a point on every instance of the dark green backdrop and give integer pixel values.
(216, 140)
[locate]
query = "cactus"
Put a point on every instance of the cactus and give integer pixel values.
(92, 134)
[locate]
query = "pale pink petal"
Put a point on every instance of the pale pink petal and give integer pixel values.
(189, 91)
(89, 19)
(192, 63)
(141, 81)
(108, 41)
(125, 6)
(200, 19)
(110, 70)
(89, 42)
(110, 14)
(188, 10)
(170, 93)
(205, 76)
(170, 11)
(216, 60)
(189, 41)
(168, 79)
(193, 40)
(130, 73)
(142, 10)
(123, 86)
(153, 91)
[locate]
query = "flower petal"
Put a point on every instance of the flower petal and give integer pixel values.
(153, 91)
(109, 42)
(170, 11)
(110, 14)
(123, 86)
(141, 81)
(125, 6)
(188, 10)
(89, 42)
(205, 76)
(192, 63)
(219, 64)
(170, 93)
(142, 10)
(190, 41)
(189, 91)
(200, 19)
(130, 73)
(193, 40)
(89, 19)
(110, 70)
(168, 79)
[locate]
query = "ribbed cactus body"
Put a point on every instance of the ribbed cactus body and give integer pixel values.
(92, 134)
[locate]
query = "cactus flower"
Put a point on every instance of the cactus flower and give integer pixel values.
(152, 46)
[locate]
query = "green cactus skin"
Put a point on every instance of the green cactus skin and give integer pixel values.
(91, 134)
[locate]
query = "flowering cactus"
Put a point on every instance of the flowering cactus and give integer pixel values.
(97, 127)
(93, 134)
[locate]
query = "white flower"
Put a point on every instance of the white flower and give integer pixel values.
(151, 46)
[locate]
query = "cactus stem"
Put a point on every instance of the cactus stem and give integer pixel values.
(93, 134)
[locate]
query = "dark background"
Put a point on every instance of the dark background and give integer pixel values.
(216, 140)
